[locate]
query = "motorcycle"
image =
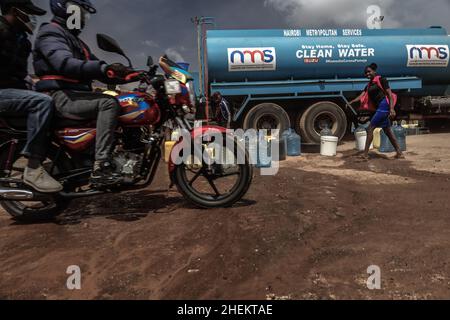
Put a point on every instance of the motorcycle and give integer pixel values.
(145, 112)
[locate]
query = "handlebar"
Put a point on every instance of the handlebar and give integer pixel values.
(110, 74)
(131, 76)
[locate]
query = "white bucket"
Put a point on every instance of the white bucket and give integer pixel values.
(328, 146)
(361, 139)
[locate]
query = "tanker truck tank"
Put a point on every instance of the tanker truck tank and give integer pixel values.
(305, 78)
(273, 55)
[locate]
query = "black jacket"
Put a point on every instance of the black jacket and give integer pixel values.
(59, 53)
(15, 48)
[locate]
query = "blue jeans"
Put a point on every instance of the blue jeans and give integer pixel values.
(38, 108)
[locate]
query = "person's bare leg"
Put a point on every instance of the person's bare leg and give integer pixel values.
(391, 136)
(369, 141)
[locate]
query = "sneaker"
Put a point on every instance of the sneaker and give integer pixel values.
(103, 175)
(41, 181)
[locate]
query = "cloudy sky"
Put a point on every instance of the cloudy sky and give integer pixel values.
(154, 27)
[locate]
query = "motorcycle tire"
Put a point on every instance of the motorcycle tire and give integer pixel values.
(23, 214)
(207, 202)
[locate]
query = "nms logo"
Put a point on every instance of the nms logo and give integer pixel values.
(421, 55)
(252, 59)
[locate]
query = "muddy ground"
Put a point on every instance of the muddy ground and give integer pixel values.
(308, 233)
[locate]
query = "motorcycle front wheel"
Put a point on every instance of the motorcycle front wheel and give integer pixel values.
(217, 185)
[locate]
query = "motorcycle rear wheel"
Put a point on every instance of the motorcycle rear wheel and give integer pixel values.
(28, 212)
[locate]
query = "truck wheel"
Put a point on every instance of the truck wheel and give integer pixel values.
(267, 116)
(319, 116)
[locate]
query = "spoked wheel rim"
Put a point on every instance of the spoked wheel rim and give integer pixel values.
(218, 180)
(212, 183)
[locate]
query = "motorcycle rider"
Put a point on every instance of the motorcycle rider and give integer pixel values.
(67, 67)
(17, 22)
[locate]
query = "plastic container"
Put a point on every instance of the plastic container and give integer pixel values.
(399, 133)
(284, 136)
(168, 146)
(264, 151)
(328, 146)
(279, 144)
(360, 138)
(377, 138)
(274, 143)
(385, 144)
(293, 143)
(259, 149)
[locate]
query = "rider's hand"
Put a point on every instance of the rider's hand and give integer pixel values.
(118, 71)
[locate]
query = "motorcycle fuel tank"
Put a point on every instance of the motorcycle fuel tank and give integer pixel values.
(304, 54)
(138, 109)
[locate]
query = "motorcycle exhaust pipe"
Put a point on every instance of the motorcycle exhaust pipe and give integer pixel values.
(9, 194)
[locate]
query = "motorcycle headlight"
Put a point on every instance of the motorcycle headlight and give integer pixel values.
(172, 87)
(191, 90)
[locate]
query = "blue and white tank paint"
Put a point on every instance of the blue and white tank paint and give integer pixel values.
(302, 54)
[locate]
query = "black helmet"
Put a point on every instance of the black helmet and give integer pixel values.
(59, 7)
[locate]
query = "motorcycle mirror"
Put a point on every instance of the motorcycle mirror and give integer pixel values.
(108, 44)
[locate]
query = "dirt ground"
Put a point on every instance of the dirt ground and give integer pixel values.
(310, 232)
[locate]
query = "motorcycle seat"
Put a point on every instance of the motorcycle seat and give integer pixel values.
(62, 123)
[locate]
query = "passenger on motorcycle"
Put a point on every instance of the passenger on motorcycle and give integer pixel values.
(66, 68)
(16, 23)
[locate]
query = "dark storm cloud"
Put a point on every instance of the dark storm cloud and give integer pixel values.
(152, 27)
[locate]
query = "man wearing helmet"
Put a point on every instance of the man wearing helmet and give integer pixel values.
(18, 20)
(66, 67)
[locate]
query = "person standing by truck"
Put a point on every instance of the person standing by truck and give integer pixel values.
(222, 110)
(378, 96)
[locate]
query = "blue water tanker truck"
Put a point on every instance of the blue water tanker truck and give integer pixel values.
(304, 78)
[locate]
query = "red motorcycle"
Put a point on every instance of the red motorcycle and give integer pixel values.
(159, 99)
